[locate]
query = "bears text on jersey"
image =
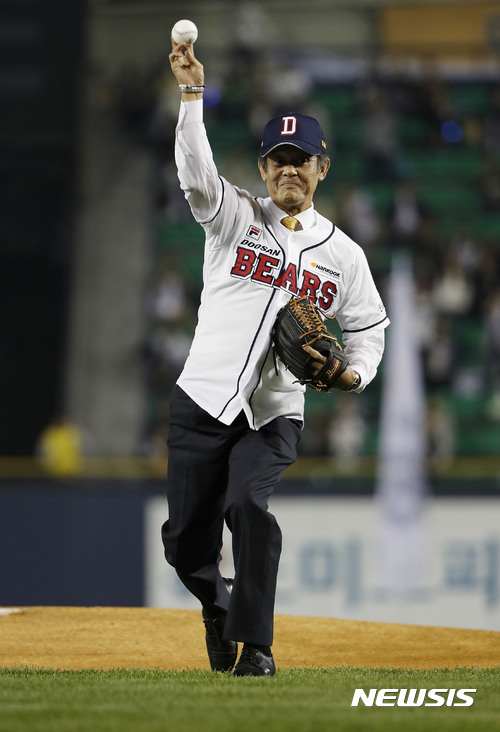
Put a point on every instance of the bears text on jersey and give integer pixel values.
(267, 269)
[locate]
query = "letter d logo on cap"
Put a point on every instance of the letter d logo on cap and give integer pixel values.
(289, 126)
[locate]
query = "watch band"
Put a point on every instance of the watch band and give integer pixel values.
(355, 384)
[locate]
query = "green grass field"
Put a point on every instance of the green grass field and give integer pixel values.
(295, 700)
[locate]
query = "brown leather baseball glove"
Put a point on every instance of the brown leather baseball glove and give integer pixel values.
(299, 324)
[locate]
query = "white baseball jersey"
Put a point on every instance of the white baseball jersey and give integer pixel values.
(253, 265)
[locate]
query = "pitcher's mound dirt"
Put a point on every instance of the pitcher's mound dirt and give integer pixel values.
(104, 638)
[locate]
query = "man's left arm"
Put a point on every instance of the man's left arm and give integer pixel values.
(364, 351)
(363, 319)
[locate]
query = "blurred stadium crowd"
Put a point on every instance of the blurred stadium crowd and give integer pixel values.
(415, 165)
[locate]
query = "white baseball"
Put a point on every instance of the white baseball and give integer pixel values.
(184, 31)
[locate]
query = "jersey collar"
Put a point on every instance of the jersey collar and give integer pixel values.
(307, 218)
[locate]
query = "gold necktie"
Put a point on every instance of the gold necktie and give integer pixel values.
(291, 223)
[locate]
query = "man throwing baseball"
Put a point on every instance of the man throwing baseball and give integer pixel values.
(236, 412)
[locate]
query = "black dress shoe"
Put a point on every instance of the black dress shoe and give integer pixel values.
(222, 653)
(254, 663)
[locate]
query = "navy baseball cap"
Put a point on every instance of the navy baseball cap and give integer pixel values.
(293, 129)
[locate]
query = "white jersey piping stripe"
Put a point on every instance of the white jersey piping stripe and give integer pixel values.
(257, 384)
(360, 330)
(248, 356)
(313, 246)
(209, 221)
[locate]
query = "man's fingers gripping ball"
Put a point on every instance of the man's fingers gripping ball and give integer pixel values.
(186, 68)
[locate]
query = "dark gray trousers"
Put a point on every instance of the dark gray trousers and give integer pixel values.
(220, 472)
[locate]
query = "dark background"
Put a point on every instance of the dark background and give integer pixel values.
(41, 59)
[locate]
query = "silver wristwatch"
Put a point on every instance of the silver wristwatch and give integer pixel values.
(355, 384)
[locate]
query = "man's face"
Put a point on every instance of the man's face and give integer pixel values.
(291, 177)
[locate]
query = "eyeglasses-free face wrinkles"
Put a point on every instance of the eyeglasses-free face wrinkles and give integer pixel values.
(291, 176)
